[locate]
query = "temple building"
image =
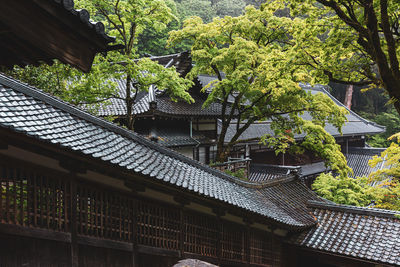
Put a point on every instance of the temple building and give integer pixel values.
(192, 129)
(78, 190)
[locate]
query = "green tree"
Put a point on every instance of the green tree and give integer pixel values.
(350, 42)
(390, 120)
(258, 79)
(385, 192)
(231, 8)
(154, 42)
(343, 190)
(200, 8)
(125, 20)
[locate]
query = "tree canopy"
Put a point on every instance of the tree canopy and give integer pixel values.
(258, 79)
(125, 20)
(381, 188)
(350, 42)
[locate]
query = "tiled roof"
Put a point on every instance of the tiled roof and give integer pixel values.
(175, 136)
(163, 104)
(355, 125)
(266, 172)
(29, 111)
(84, 16)
(358, 157)
(362, 233)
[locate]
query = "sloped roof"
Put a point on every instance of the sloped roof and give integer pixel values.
(174, 136)
(358, 158)
(356, 125)
(27, 110)
(362, 233)
(266, 172)
(163, 105)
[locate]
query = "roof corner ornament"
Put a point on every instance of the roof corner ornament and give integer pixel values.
(152, 97)
(295, 172)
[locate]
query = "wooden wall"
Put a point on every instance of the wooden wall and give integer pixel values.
(51, 219)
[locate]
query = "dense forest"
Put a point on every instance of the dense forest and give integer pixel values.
(153, 42)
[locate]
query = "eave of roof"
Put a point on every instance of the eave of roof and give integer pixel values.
(43, 30)
(134, 153)
(365, 234)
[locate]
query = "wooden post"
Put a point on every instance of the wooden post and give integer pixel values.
(134, 234)
(182, 201)
(182, 232)
(73, 223)
(219, 213)
(247, 250)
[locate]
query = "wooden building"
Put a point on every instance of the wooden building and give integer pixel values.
(187, 128)
(79, 191)
(34, 31)
(192, 130)
(76, 190)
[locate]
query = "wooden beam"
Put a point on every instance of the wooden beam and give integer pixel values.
(38, 233)
(135, 186)
(103, 243)
(38, 28)
(73, 166)
(157, 251)
(73, 225)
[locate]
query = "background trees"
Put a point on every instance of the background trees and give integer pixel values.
(258, 79)
(125, 20)
(352, 42)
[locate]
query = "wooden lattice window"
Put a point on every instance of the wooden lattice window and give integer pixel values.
(33, 199)
(201, 234)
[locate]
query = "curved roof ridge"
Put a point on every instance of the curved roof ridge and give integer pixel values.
(84, 16)
(353, 209)
(322, 88)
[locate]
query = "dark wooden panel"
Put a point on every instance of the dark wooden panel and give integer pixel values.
(25, 251)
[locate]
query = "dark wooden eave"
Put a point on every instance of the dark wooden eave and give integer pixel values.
(34, 31)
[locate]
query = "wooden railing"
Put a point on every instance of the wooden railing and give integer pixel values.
(234, 165)
(42, 200)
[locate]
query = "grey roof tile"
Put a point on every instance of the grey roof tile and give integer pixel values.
(362, 233)
(358, 158)
(356, 125)
(74, 129)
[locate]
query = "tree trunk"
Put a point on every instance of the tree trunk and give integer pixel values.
(221, 155)
(129, 104)
(349, 96)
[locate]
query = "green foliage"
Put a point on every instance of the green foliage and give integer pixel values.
(349, 42)
(231, 8)
(391, 156)
(343, 190)
(200, 8)
(385, 194)
(154, 42)
(390, 120)
(241, 174)
(258, 79)
(125, 20)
